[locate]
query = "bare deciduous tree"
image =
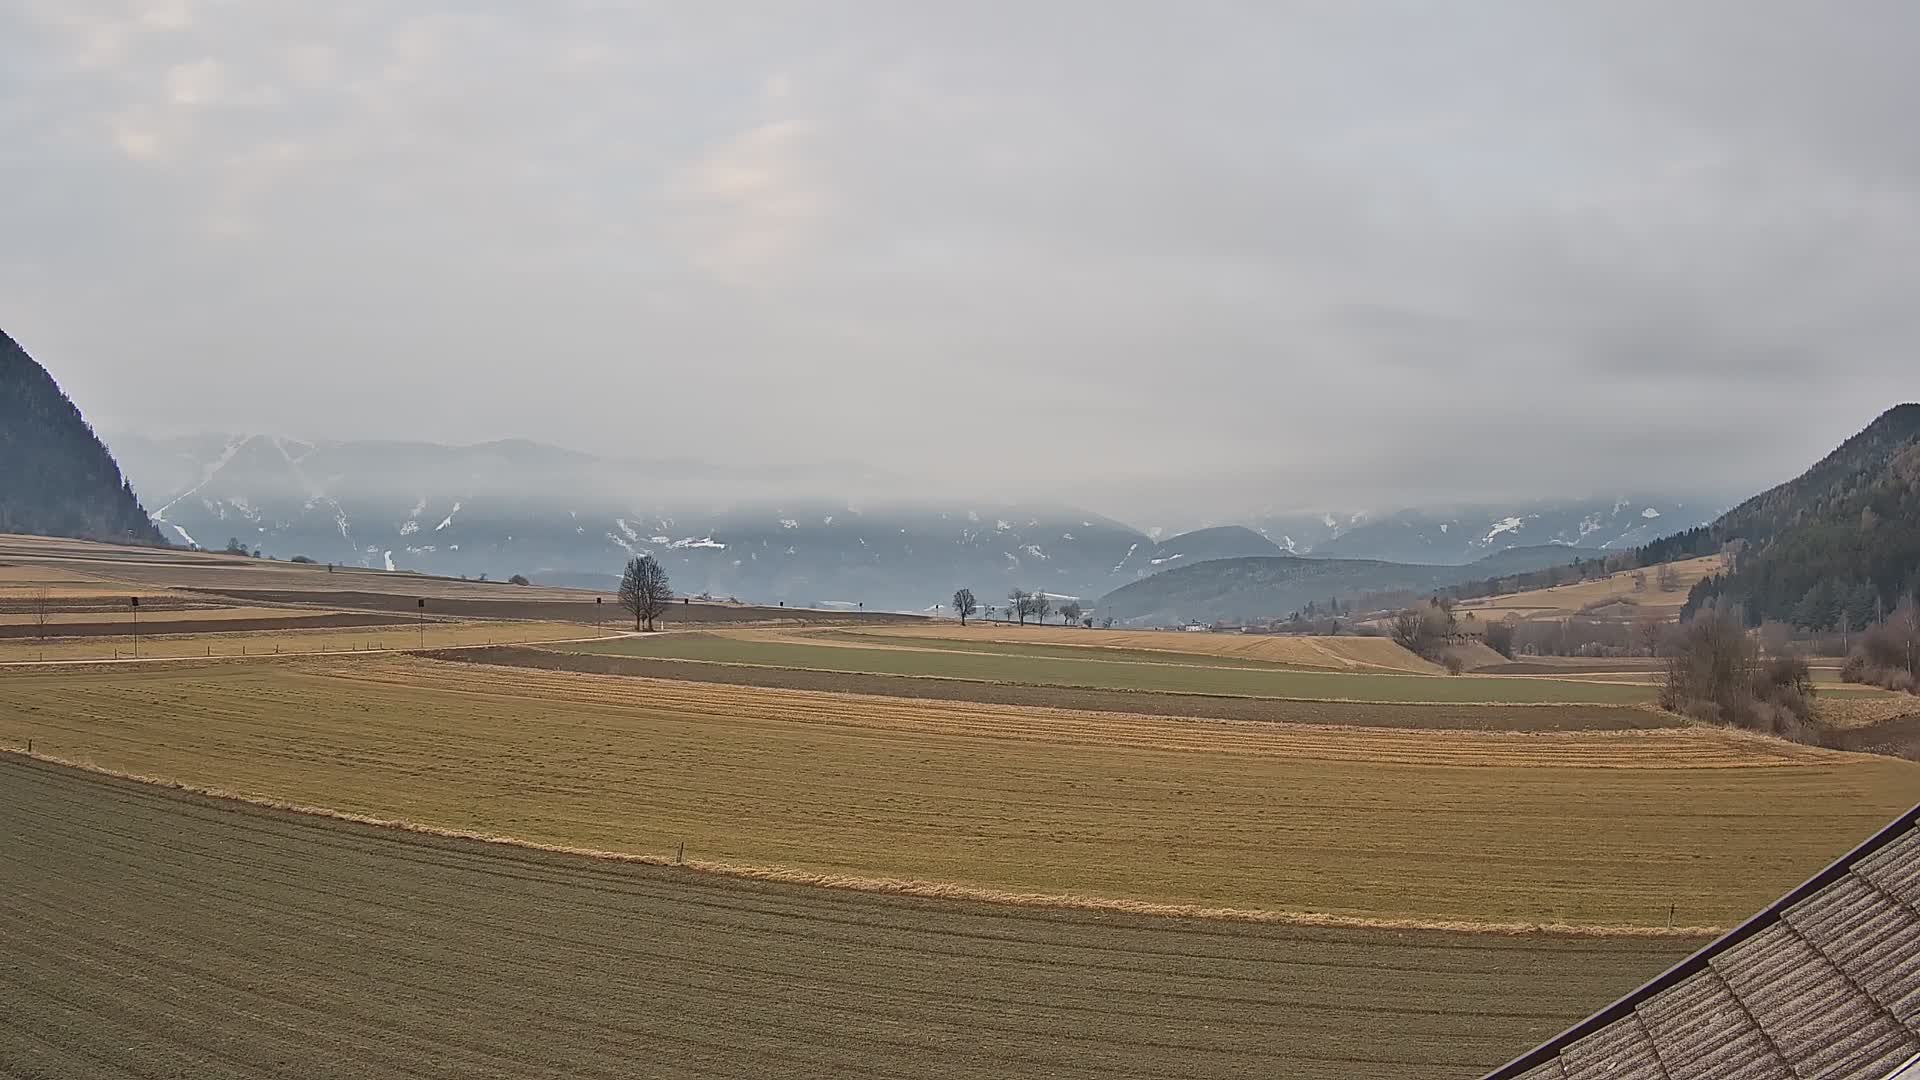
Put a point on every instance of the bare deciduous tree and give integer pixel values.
(1644, 634)
(1667, 578)
(1410, 630)
(1022, 604)
(42, 611)
(1500, 636)
(1070, 612)
(964, 604)
(1449, 621)
(1039, 605)
(1715, 673)
(644, 590)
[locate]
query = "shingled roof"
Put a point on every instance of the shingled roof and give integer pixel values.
(1825, 983)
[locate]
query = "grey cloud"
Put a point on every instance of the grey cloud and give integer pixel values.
(1275, 253)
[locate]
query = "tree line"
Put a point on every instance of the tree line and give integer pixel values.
(1023, 604)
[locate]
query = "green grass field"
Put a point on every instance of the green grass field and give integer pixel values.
(1045, 650)
(1165, 675)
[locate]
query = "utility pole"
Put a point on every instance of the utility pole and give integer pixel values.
(133, 607)
(423, 622)
(597, 602)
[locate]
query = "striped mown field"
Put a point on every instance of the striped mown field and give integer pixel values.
(1177, 674)
(1479, 827)
(151, 932)
(1333, 653)
(388, 635)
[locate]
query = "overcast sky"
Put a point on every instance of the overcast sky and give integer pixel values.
(1335, 253)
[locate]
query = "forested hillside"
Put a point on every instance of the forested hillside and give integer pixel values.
(1269, 587)
(56, 478)
(1840, 543)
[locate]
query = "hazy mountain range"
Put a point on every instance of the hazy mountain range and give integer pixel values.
(564, 517)
(1266, 586)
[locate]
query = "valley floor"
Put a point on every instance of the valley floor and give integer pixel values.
(153, 932)
(1585, 828)
(909, 849)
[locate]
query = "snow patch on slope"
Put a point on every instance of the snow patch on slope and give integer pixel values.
(207, 473)
(1504, 525)
(448, 520)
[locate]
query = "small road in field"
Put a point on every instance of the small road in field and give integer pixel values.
(150, 932)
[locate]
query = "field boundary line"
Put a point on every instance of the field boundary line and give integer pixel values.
(931, 890)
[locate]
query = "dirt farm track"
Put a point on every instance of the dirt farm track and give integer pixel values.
(152, 933)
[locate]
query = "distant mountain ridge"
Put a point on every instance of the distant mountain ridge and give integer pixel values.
(1268, 587)
(560, 517)
(1464, 534)
(1840, 540)
(56, 477)
(565, 517)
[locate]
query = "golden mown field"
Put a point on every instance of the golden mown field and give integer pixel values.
(153, 932)
(1336, 653)
(1569, 600)
(1586, 828)
(395, 636)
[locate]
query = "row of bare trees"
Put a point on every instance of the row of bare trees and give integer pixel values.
(1023, 604)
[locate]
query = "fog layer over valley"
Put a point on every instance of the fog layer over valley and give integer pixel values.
(565, 517)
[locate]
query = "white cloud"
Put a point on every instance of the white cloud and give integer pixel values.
(197, 83)
(749, 201)
(1256, 247)
(137, 143)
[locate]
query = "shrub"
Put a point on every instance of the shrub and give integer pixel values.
(1715, 675)
(1453, 663)
(300, 559)
(518, 579)
(1500, 637)
(1888, 653)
